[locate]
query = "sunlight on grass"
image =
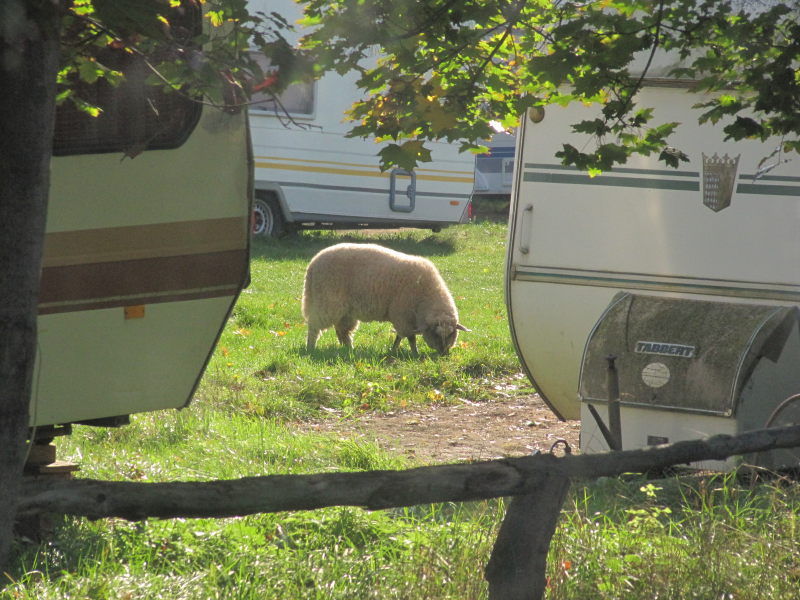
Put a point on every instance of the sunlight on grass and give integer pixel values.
(256, 413)
(692, 537)
(261, 365)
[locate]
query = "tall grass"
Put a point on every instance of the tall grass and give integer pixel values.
(706, 538)
(700, 537)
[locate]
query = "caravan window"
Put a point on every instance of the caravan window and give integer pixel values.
(297, 99)
(134, 116)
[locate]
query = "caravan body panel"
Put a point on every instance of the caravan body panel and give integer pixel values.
(144, 258)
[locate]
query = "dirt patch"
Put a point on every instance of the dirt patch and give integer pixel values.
(504, 427)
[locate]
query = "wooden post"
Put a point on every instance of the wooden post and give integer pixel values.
(517, 569)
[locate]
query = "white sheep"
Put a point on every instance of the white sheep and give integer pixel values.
(348, 283)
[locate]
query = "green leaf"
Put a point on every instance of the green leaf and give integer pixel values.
(672, 157)
(147, 17)
(89, 71)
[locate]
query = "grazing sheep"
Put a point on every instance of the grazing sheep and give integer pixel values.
(348, 283)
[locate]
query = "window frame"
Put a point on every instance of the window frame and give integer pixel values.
(130, 101)
(277, 111)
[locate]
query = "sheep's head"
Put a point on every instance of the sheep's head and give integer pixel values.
(441, 334)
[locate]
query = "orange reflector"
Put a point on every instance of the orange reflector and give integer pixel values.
(454, 203)
(134, 312)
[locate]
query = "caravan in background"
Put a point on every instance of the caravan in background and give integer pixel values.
(494, 170)
(309, 175)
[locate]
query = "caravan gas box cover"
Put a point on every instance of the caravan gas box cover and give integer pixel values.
(683, 355)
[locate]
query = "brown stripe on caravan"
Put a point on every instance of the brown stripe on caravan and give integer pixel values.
(114, 244)
(144, 281)
(140, 301)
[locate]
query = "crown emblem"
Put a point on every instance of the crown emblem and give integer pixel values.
(719, 177)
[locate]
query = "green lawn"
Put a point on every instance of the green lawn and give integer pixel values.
(704, 538)
(261, 366)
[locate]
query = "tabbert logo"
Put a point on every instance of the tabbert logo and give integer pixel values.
(665, 349)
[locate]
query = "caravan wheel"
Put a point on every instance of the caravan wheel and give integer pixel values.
(267, 218)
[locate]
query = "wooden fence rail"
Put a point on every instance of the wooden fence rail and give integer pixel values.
(516, 569)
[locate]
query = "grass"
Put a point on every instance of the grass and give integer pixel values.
(717, 537)
(691, 537)
(262, 368)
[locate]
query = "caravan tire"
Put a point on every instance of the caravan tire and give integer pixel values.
(267, 218)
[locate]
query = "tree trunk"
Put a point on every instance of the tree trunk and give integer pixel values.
(29, 50)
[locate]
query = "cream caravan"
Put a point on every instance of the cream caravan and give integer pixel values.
(309, 175)
(690, 277)
(144, 257)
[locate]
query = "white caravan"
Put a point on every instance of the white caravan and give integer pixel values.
(309, 175)
(690, 277)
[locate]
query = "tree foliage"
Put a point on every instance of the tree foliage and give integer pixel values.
(450, 69)
(447, 68)
(212, 63)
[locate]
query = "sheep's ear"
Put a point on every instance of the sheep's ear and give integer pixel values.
(460, 327)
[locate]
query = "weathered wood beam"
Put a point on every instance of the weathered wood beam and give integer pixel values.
(373, 489)
(517, 569)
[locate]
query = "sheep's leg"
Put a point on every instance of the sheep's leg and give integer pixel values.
(397, 339)
(311, 340)
(412, 341)
(344, 331)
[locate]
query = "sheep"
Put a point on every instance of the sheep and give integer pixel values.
(349, 283)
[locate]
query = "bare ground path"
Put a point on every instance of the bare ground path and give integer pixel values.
(509, 424)
(502, 427)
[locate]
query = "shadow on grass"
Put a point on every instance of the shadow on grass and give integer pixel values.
(307, 243)
(331, 355)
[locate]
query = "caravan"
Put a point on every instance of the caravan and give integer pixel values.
(494, 170)
(309, 175)
(144, 256)
(689, 277)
